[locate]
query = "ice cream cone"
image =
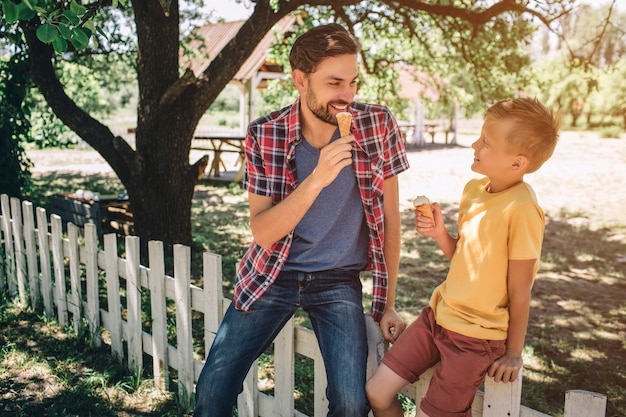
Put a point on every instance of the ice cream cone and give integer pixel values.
(422, 204)
(344, 120)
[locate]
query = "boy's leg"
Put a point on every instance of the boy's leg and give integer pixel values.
(381, 390)
(240, 339)
(334, 303)
(411, 355)
(464, 364)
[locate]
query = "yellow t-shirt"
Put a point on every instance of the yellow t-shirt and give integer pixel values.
(493, 229)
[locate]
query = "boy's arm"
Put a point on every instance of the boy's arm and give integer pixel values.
(519, 283)
(436, 229)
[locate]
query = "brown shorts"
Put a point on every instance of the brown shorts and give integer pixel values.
(463, 363)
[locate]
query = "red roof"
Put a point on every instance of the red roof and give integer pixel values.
(217, 35)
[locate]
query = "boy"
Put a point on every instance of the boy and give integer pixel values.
(476, 320)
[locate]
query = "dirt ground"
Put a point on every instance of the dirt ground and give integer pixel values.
(586, 174)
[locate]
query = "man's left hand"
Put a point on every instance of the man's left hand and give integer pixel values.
(391, 325)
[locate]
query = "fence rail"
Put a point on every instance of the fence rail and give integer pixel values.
(42, 267)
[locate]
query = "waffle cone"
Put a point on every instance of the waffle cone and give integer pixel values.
(426, 210)
(344, 120)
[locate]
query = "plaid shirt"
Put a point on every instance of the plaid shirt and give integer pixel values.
(271, 143)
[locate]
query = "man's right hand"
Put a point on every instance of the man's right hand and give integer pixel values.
(333, 158)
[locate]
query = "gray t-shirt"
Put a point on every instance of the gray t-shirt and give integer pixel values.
(333, 233)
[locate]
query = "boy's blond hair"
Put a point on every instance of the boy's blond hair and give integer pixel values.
(536, 128)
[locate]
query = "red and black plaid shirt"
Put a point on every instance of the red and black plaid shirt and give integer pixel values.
(271, 143)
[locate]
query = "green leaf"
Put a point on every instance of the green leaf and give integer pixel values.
(90, 27)
(101, 32)
(77, 8)
(79, 38)
(24, 12)
(11, 11)
(47, 33)
(71, 17)
(30, 4)
(59, 45)
(65, 31)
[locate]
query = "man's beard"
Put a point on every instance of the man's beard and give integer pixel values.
(323, 112)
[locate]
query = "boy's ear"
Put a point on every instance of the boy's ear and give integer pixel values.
(520, 163)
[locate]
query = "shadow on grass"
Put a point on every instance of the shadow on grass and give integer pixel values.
(46, 372)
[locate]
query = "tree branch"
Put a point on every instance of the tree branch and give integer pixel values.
(114, 149)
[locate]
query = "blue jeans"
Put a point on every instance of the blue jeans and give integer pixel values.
(333, 301)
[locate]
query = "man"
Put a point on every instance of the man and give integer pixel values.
(318, 219)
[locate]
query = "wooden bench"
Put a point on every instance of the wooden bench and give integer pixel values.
(108, 213)
(218, 145)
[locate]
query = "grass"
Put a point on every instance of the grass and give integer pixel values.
(46, 371)
(577, 331)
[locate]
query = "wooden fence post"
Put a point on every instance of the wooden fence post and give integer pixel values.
(213, 296)
(31, 254)
(9, 255)
(284, 356)
(579, 403)
(18, 243)
(75, 304)
(133, 304)
(182, 280)
(502, 399)
(43, 238)
(60, 294)
(156, 283)
(91, 276)
(113, 296)
(248, 400)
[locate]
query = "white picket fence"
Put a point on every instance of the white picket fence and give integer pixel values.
(49, 270)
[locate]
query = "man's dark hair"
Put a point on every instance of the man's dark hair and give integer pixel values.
(319, 43)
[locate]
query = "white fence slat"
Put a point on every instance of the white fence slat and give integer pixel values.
(75, 302)
(156, 282)
(9, 255)
(213, 296)
(284, 356)
(249, 401)
(529, 412)
(31, 254)
(3, 274)
(184, 340)
(579, 403)
(18, 244)
(320, 397)
(133, 304)
(502, 399)
(113, 296)
(91, 275)
(60, 294)
(43, 239)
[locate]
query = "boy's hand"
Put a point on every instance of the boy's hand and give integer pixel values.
(430, 227)
(506, 367)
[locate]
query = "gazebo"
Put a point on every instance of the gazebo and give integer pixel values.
(212, 38)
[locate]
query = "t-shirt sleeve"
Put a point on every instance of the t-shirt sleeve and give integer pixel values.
(526, 232)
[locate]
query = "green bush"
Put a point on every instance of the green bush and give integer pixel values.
(611, 132)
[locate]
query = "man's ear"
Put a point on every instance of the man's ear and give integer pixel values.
(299, 79)
(520, 163)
